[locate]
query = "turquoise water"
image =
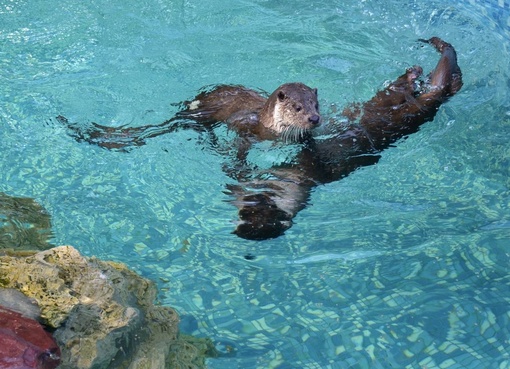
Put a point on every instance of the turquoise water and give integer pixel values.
(404, 264)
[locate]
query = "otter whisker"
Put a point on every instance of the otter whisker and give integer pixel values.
(293, 133)
(287, 134)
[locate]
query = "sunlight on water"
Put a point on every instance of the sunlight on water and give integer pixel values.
(403, 264)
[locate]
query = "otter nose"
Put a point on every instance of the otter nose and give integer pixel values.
(314, 119)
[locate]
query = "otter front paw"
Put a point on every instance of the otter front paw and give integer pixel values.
(261, 218)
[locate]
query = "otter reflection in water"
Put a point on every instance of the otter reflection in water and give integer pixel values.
(269, 199)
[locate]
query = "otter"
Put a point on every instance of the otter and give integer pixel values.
(268, 200)
(289, 113)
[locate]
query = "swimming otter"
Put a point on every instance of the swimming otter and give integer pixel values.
(289, 113)
(269, 201)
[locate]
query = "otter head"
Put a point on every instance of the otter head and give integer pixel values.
(292, 111)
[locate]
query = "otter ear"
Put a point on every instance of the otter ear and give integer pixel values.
(315, 91)
(281, 95)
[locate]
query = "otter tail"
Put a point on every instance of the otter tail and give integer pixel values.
(124, 138)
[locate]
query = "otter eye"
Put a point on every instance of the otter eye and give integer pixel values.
(281, 96)
(316, 106)
(315, 91)
(298, 108)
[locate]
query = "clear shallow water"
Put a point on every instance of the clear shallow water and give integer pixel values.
(403, 264)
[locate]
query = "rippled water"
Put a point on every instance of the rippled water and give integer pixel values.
(403, 264)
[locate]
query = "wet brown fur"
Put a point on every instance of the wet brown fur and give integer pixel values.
(292, 106)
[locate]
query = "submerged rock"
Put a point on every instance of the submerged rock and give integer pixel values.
(24, 224)
(24, 344)
(103, 314)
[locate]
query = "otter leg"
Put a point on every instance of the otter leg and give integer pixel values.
(398, 92)
(446, 79)
(403, 107)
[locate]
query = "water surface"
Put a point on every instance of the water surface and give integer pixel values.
(403, 264)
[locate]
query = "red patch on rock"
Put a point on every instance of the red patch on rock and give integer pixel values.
(24, 344)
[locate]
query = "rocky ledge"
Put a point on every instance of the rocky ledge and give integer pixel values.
(100, 315)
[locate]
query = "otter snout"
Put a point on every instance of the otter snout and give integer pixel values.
(315, 119)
